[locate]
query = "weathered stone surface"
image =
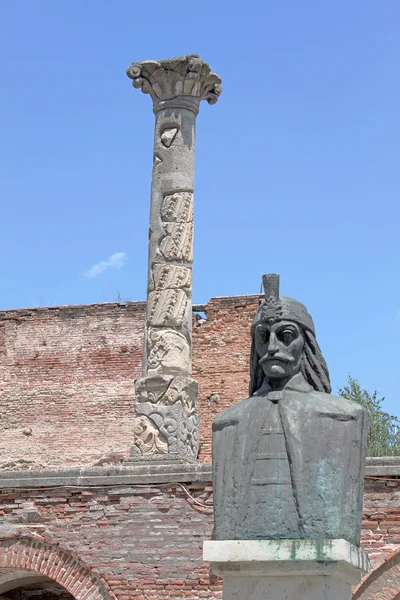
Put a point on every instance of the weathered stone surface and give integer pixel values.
(172, 276)
(152, 389)
(286, 569)
(168, 136)
(177, 86)
(178, 207)
(171, 423)
(157, 160)
(289, 461)
(167, 390)
(178, 242)
(167, 308)
(132, 474)
(387, 502)
(304, 586)
(184, 76)
(168, 353)
(285, 557)
(148, 437)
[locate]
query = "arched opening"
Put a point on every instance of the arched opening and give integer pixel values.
(20, 584)
(383, 583)
(33, 569)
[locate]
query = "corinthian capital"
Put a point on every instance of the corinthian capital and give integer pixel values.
(176, 82)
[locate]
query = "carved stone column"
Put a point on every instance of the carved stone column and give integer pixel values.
(166, 420)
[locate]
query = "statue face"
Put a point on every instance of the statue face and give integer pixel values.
(280, 348)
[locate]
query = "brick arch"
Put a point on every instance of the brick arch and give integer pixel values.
(383, 583)
(35, 554)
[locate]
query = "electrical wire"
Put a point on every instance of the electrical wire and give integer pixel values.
(99, 487)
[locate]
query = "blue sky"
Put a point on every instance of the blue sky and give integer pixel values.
(297, 165)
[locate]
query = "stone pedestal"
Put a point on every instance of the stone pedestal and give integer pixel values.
(286, 569)
(166, 421)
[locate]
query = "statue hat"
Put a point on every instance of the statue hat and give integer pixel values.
(280, 308)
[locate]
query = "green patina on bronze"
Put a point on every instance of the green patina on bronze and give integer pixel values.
(288, 462)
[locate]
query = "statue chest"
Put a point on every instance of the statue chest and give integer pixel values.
(270, 485)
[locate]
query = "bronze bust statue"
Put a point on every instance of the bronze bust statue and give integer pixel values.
(288, 462)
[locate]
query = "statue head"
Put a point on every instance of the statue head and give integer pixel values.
(283, 342)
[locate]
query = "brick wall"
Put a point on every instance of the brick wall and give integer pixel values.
(66, 398)
(137, 541)
(66, 378)
(221, 353)
(144, 542)
(66, 383)
(381, 521)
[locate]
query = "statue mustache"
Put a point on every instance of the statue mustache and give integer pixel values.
(282, 357)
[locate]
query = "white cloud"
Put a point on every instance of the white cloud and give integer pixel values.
(115, 261)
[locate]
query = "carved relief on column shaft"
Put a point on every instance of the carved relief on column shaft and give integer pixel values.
(166, 421)
(171, 276)
(166, 308)
(169, 353)
(177, 208)
(168, 300)
(182, 77)
(177, 218)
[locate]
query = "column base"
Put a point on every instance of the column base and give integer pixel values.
(286, 569)
(166, 423)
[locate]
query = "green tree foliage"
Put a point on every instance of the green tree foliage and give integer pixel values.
(384, 429)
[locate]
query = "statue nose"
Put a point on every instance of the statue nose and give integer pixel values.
(273, 344)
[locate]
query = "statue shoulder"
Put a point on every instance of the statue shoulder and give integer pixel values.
(233, 414)
(329, 403)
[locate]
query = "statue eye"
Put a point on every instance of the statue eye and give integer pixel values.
(287, 336)
(263, 335)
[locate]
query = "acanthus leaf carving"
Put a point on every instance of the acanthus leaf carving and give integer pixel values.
(147, 437)
(177, 208)
(171, 276)
(167, 307)
(178, 242)
(184, 76)
(171, 420)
